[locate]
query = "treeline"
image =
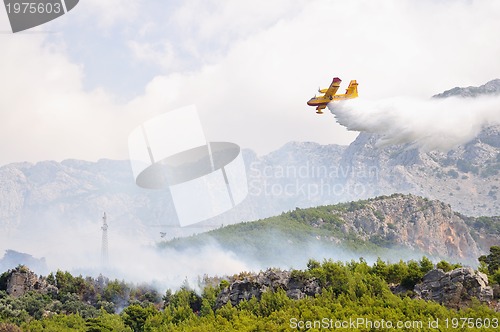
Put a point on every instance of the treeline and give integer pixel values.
(351, 290)
(65, 302)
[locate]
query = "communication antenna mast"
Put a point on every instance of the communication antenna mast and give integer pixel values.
(104, 244)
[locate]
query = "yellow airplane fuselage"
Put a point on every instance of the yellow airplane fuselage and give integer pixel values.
(330, 95)
(323, 100)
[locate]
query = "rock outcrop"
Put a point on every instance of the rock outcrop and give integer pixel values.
(454, 289)
(22, 280)
(254, 285)
(416, 223)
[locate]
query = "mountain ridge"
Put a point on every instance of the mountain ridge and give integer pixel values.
(51, 200)
(384, 225)
(490, 88)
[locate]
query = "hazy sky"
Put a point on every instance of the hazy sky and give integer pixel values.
(77, 86)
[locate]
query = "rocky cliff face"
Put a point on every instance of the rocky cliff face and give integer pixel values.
(413, 222)
(454, 289)
(254, 285)
(466, 177)
(22, 280)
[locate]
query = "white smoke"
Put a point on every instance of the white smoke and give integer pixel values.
(77, 249)
(431, 124)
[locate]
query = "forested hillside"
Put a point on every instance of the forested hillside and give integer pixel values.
(347, 295)
(384, 226)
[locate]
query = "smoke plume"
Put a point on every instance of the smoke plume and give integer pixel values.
(433, 124)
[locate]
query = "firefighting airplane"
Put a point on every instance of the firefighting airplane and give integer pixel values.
(329, 94)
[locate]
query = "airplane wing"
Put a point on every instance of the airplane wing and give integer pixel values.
(332, 90)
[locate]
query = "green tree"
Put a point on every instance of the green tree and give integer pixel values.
(35, 303)
(12, 309)
(272, 301)
(117, 292)
(496, 277)
(186, 297)
(66, 283)
(425, 265)
(397, 272)
(337, 276)
(413, 276)
(4, 277)
(145, 294)
(109, 307)
(380, 268)
(56, 323)
(9, 327)
(135, 316)
(444, 265)
(72, 304)
(492, 260)
(106, 322)
(209, 299)
(313, 264)
(167, 298)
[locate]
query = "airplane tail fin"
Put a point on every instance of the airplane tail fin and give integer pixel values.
(352, 89)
